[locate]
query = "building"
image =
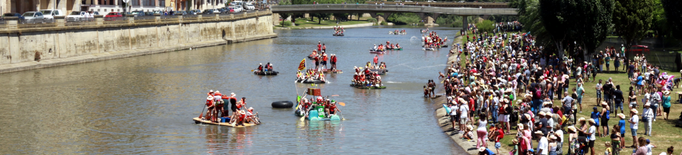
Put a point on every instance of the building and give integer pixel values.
(106, 6)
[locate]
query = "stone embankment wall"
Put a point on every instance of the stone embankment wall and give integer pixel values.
(31, 45)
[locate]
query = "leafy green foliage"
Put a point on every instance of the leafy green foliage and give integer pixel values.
(373, 20)
(285, 23)
(383, 22)
(632, 18)
(674, 17)
(404, 18)
(485, 26)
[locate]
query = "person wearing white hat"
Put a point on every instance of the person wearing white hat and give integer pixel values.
(647, 116)
(543, 144)
(209, 107)
(634, 123)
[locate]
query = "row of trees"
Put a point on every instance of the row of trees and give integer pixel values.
(561, 24)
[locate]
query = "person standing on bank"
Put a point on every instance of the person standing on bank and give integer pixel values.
(618, 100)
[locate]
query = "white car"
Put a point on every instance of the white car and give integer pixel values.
(33, 17)
(249, 6)
(50, 13)
(236, 8)
(77, 16)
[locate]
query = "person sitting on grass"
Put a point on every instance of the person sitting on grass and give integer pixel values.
(468, 133)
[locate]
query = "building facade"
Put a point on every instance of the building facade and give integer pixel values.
(106, 6)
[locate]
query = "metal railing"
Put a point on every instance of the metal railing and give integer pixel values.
(392, 8)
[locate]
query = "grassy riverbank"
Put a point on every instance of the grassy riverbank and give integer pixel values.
(664, 133)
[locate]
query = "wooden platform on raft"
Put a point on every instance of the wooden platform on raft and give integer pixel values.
(199, 120)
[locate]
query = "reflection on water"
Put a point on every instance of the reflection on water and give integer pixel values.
(144, 105)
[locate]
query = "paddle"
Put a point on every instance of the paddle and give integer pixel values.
(202, 111)
(342, 104)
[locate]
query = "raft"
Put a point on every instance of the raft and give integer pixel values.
(367, 87)
(198, 120)
(313, 116)
(376, 51)
(282, 104)
(339, 35)
(266, 73)
(331, 71)
(429, 49)
(380, 71)
(312, 81)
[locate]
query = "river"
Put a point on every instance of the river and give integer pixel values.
(144, 104)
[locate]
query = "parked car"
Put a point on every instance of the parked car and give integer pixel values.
(50, 13)
(21, 18)
(111, 16)
(236, 8)
(195, 12)
(149, 13)
(223, 10)
(249, 6)
(77, 16)
(638, 49)
(33, 17)
(180, 13)
(235, 3)
(209, 11)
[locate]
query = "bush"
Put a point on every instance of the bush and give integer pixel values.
(383, 22)
(285, 23)
(373, 20)
(485, 26)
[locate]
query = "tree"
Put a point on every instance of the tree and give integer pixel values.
(556, 17)
(596, 18)
(632, 18)
(674, 17)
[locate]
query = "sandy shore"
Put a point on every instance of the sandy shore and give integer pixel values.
(445, 124)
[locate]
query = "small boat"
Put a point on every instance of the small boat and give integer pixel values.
(367, 87)
(338, 35)
(311, 81)
(379, 70)
(429, 49)
(265, 72)
(331, 71)
(376, 51)
(199, 120)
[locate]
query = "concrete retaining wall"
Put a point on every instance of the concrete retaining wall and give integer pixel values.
(23, 46)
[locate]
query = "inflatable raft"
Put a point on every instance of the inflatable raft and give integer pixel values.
(379, 71)
(372, 51)
(339, 35)
(282, 104)
(313, 116)
(198, 120)
(266, 73)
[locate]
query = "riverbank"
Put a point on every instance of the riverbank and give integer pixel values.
(444, 120)
(327, 27)
(5, 68)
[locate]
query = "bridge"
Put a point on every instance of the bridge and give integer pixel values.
(448, 4)
(387, 10)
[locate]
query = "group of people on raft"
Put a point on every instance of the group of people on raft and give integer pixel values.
(315, 103)
(396, 32)
(338, 30)
(366, 77)
(219, 105)
(310, 75)
(260, 69)
(321, 59)
(388, 46)
(432, 40)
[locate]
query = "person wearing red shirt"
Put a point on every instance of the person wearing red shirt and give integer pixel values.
(333, 62)
(319, 46)
(324, 48)
(376, 60)
(498, 137)
(209, 105)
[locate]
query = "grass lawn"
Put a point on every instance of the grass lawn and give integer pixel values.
(306, 22)
(664, 133)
